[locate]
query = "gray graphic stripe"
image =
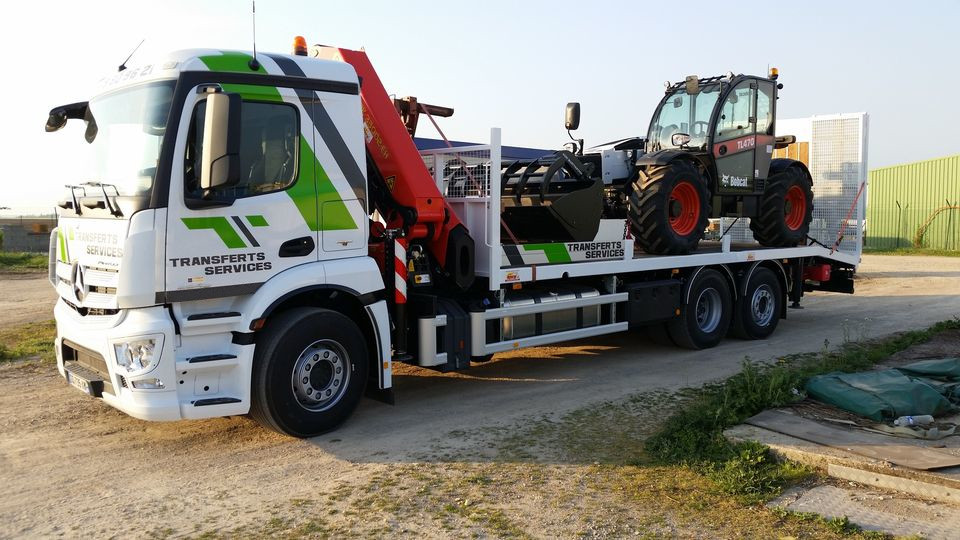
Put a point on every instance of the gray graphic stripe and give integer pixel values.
(513, 254)
(327, 129)
(246, 232)
(203, 293)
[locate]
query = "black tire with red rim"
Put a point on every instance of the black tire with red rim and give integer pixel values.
(669, 205)
(786, 209)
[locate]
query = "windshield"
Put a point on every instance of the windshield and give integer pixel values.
(124, 131)
(683, 113)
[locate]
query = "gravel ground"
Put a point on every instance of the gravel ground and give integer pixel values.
(72, 466)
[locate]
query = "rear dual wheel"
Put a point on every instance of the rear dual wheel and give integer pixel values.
(758, 311)
(669, 205)
(705, 314)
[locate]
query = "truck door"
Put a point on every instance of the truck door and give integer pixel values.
(228, 242)
(735, 141)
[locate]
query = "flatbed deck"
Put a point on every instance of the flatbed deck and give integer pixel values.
(708, 253)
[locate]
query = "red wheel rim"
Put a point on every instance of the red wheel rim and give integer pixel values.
(795, 208)
(684, 208)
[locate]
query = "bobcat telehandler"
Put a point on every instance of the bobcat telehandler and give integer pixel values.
(708, 154)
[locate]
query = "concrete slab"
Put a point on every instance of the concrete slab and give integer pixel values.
(942, 485)
(875, 511)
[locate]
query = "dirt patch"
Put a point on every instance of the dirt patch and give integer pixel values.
(25, 297)
(944, 345)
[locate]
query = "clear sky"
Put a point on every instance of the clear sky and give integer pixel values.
(512, 64)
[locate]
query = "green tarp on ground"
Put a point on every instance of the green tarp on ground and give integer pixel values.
(927, 387)
(947, 369)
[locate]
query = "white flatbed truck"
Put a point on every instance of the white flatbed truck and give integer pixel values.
(231, 252)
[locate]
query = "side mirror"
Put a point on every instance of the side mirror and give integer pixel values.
(220, 155)
(680, 139)
(59, 115)
(572, 117)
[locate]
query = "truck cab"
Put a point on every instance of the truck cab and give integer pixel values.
(219, 188)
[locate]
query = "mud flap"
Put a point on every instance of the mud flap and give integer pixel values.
(451, 338)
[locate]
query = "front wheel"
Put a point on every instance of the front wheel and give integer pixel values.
(669, 205)
(309, 372)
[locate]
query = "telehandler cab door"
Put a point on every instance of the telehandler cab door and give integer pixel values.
(743, 137)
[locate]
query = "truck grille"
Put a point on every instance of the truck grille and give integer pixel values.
(83, 311)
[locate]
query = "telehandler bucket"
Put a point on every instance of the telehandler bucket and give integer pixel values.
(550, 199)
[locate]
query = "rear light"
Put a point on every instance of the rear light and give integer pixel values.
(817, 272)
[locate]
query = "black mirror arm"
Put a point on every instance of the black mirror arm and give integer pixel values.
(59, 115)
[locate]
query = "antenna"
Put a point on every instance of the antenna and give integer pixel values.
(254, 63)
(123, 66)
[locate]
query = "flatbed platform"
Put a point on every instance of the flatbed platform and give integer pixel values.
(708, 253)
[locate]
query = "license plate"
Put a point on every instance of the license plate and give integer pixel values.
(79, 383)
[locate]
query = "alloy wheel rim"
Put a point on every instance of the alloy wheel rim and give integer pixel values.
(321, 375)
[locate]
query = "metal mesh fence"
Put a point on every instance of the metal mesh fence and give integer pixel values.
(838, 166)
(460, 173)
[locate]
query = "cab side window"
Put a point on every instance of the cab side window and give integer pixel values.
(735, 115)
(269, 148)
(765, 108)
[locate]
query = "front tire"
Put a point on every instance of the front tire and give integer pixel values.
(786, 209)
(758, 310)
(309, 372)
(705, 316)
(669, 205)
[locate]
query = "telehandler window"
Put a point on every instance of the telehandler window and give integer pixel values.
(765, 108)
(734, 118)
(269, 148)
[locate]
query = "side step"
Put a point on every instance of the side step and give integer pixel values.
(210, 358)
(216, 315)
(215, 401)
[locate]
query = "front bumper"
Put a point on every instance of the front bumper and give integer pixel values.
(90, 338)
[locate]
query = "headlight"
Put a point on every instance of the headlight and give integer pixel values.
(138, 355)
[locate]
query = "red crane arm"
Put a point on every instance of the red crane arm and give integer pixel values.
(406, 176)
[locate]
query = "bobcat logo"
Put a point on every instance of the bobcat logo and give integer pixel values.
(728, 180)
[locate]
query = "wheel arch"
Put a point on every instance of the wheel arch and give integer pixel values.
(724, 271)
(345, 301)
(778, 270)
(666, 157)
(778, 165)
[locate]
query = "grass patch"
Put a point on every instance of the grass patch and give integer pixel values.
(22, 261)
(33, 340)
(913, 251)
(694, 436)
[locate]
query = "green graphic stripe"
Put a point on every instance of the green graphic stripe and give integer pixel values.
(257, 221)
(63, 246)
(302, 192)
(220, 226)
(556, 253)
(336, 217)
(230, 61)
(308, 197)
(252, 92)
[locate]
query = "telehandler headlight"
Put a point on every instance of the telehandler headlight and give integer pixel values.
(138, 355)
